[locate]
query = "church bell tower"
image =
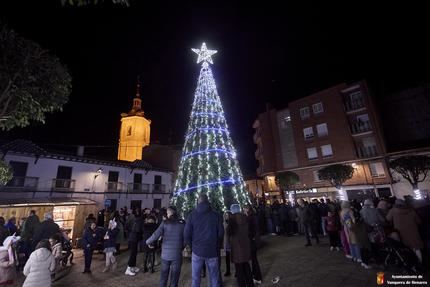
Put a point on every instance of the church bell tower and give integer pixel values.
(135, 130)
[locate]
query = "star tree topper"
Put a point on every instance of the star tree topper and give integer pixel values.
(204, 55)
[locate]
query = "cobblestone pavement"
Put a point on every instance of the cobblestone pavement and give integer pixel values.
(297, 266)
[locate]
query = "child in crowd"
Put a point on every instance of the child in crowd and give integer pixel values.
(332, 227)
(109, 245)
(57, 252)
(148, 229)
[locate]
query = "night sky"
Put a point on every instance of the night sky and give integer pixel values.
(266, 54)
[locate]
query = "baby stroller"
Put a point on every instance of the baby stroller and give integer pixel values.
(66, 245)
(399, 255)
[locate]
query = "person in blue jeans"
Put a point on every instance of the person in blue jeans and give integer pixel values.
(204, 233)
(172, 231)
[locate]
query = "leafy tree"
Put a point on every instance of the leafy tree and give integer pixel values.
(32, 81)
(5, 173)
(286, 181)
(413, 168)
(336, 174)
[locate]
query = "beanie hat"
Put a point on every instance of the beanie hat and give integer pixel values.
(368, 202)
(235, 208)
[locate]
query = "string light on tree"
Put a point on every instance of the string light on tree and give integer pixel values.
(209, 160)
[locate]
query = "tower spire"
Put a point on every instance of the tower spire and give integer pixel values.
(137, 101)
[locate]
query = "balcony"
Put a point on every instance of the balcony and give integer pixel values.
(113, 186)
(22, 182)
(360, 127)
(369, 151)
(159, 188)
(59, 184)
(355, 104)
(138, 187)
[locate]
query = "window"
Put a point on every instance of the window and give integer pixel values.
(157, 203)
(157, 179)
(285, 122)
(316, 176)
(318, 108)
(308, 133)
(322, 130)
(326, 150)
(312, 153)
(377, 169)
(305, 113)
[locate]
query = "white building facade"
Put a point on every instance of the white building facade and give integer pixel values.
(110, 184)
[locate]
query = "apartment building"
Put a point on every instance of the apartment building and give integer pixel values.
(336, 125)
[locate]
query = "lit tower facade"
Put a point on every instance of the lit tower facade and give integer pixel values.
(135, 131)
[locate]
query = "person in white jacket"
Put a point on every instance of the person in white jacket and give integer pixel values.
(39, 266)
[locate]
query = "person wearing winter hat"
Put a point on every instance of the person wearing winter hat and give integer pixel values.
(240, 244)
(370, 214)
(7, 261)
(406, 221)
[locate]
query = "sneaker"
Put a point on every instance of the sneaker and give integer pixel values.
(87, 271)
(359, 261)
(331, 248)
(134, 269)
(337, 249)
(348, 256)
(366, 266)
(258, 282)
(129, 271)
(106, 269)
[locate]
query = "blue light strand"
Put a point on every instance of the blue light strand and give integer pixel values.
(230, 180)
(232, 153)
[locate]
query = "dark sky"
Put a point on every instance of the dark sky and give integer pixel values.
(266, 53)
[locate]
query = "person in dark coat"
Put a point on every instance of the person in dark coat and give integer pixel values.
(90, 219)
(149, 228)
(309, 221)
(240, 244)
(4, 232)
(11, 225)
(172, 231)
(253, 235)
(133, 239)
(89, 243)
(204, 233)
(46, 229)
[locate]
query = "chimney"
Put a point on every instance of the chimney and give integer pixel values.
(80, 151)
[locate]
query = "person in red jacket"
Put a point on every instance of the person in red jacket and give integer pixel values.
(333, 227)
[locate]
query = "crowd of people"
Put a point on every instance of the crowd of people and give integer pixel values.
(40, 243)
(358, 229)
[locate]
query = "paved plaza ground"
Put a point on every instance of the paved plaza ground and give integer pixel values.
(297, 266)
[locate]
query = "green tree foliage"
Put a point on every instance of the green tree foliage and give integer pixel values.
(286, 180)
(336, 174)
(5, 173)
(413, 168)
(32, 81)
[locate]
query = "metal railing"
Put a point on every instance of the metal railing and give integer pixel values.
(138, 187)
(351, 105)
(63, 184)
(360, 127)
(112, 186)
(159, 188)
(368, 151)
(25, 182)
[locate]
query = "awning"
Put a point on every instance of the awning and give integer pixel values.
(56, 201)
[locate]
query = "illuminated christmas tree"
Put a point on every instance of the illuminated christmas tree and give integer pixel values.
(209, 163)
